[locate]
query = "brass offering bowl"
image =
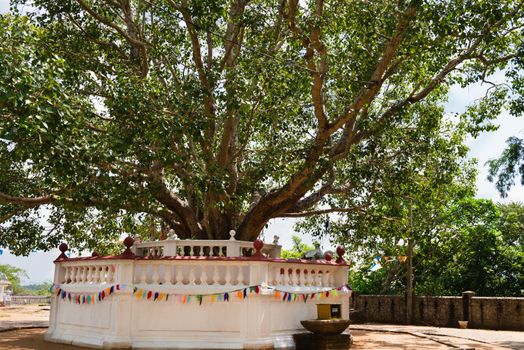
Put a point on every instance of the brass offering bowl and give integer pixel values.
(333, 326)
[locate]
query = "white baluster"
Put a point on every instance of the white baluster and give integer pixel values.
(325, 277)
(179, 279)
(305, 277)
(289, 274)
(108, 274)
(156, 276)
(90, 274)
(167, 274)
(201, 253)
(143, 275)
(241, 275)
(113, 273)
(66, 274)
(318, 278)
(216, 276)
(203, 276)
(280, 276)
(313, 278)
(105, 274)
(331, 279)
(83, 275)
(228, 275)
(78, 274)
(272, 276)
(300, 277)
(294, 278)
(191, 252)
(192, 274)
(93, 274)
(220, 251)
(97, 274)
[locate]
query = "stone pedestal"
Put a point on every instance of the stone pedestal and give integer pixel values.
(311, 341)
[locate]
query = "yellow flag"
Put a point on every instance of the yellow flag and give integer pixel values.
(277, 294)
(213, 298)
(139, 294)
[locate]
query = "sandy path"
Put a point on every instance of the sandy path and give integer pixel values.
(33, 339)
(19, 316)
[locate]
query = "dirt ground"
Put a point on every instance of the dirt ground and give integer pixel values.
(33, 339)
(18, 316)
(385, 340)
(379, 337)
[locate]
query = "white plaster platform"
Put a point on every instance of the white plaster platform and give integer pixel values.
(122, 320)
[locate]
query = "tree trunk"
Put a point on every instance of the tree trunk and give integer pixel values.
(409, 286)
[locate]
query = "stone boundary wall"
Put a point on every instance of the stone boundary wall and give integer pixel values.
(29, 299)
(441, 311)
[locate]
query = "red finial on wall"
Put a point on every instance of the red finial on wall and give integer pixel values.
(340, 252)
(328, 256)
(258, 244)
(63, 248)
(128, 254)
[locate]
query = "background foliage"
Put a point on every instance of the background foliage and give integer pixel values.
(205, 116)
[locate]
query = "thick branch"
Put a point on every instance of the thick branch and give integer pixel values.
(322, 211)
(27, 202)
(368, 92)
(180, 208)
(98, 17)
(197, 60)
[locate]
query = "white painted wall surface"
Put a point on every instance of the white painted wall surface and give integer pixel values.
(122, 320)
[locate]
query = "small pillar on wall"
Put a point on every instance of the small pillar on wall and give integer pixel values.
(466, 304)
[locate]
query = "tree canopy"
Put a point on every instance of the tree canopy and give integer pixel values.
(508, 166)
(14, 276)
(479, 247)
(206, 116)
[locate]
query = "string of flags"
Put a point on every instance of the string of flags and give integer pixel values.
(238, 294)
(86, 298)
(379, 261)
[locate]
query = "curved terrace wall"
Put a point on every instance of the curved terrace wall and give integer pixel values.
(158, 301)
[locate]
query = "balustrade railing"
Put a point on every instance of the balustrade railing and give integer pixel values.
(207, 248)
(88, 272)
(190, 272)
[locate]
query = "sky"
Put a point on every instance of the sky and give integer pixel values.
(488, 145)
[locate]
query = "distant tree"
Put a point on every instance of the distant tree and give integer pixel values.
(14, 275)
(508, 166)
(477, 246)
(512, 222)
(43, 289)
(299, 248)
(477, 252)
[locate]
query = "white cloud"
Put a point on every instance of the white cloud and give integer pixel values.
(4, 6)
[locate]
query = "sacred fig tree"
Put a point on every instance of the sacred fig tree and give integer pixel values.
(207, 116)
